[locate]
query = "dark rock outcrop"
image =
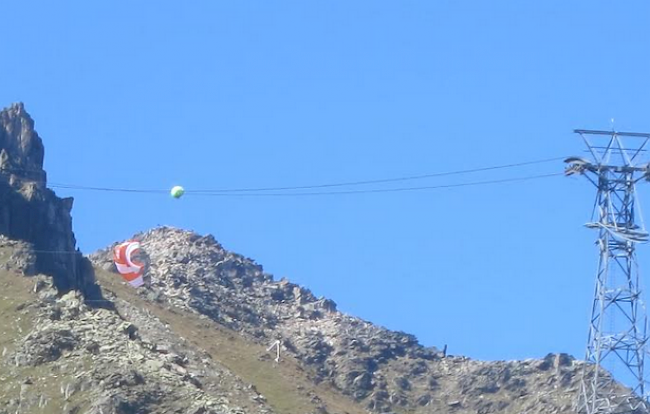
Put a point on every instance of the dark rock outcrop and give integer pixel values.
(31, 212)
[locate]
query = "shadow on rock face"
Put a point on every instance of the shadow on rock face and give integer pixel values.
(89, 286)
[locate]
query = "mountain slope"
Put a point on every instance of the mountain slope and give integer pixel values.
(68, 356)
(285, 386)
(125, 354)
(380, 369)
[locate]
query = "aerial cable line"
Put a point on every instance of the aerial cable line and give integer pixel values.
(243, 191)
(385, 190)
(382, 180)
(110, 189)
(321, 193)
(380, 190)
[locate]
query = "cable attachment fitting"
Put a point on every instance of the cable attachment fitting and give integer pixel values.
(576, 165)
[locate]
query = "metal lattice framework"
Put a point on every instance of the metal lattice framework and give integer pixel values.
(617, 338)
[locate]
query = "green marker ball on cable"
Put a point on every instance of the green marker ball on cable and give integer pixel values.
(177, 191)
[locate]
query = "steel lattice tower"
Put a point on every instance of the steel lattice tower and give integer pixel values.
(616, 344)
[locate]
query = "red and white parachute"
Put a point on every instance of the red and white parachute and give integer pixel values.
(126, 263)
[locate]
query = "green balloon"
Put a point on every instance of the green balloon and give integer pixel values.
(177, 191)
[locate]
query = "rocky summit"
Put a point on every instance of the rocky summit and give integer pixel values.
(210, 331)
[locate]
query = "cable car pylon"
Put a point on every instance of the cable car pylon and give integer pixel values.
(613, 379)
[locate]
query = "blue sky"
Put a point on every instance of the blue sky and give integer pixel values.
(247, 94)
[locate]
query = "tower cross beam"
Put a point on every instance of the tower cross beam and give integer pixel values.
(612, 133)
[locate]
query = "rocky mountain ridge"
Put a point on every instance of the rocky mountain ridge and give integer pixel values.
(380, 369)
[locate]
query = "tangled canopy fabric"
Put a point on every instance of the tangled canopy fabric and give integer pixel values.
(131, 270)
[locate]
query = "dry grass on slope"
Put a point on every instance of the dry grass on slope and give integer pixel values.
(29, 388)
(286, 386)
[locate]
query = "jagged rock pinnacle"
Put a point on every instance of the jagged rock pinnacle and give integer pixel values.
(21, 149)
(29, 211)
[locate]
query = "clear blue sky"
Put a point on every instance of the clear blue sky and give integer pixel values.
(214, 94)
